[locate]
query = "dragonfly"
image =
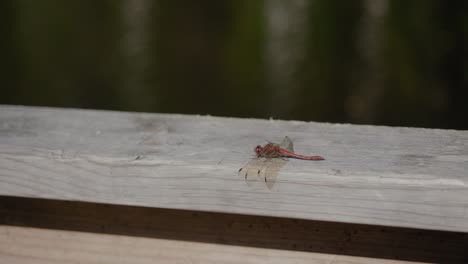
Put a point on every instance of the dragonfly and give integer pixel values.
(270, 158)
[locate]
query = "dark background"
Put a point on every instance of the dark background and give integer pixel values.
(383, 62)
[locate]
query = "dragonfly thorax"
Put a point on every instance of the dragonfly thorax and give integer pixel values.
(270, 150)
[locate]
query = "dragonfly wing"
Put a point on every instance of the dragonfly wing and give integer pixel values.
(271, 171)
(287, 144)
(251, 171)
(262, 169)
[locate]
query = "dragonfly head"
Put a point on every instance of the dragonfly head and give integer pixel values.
(258, 150)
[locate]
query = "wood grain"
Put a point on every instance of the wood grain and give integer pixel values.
(33, 245)
(404, 177)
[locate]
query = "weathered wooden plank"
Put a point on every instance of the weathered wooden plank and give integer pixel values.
(373, 175)
(33, 245)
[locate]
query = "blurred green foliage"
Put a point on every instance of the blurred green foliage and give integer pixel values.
(403, 66)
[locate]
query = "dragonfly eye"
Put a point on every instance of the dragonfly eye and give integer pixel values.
(258, 149)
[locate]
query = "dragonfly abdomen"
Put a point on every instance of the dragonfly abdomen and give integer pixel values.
(288, 154)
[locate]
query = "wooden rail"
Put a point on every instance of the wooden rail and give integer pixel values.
(382, 176)
(372, 175)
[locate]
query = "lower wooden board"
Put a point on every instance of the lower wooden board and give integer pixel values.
(34, 245)
(328, 238)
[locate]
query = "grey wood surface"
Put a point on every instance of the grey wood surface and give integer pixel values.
(404, 177)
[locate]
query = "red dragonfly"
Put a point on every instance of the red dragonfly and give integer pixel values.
(283, 150)
(270, 159)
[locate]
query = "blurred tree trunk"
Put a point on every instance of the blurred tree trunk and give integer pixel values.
(284, 52)
(362, 103)
(139, 93)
